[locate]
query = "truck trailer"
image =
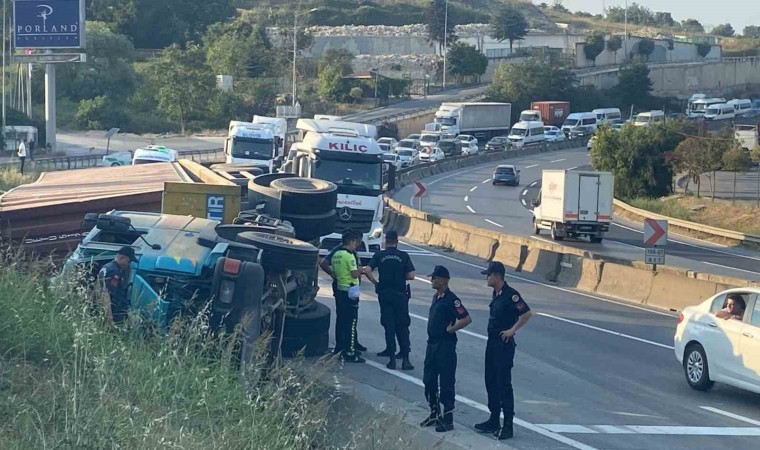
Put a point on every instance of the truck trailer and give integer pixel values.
(482, 120)
(552, 113)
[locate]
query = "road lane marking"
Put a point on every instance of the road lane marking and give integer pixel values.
(651, 430)
(572, 168)
(473, 188)
(626, 245)
(530, 167)
(557, 288)
(558, 160)
(730, 268)
(525, 192)
(471, 210)
(494, 223)
(533, 183)
(486, 181)
(481, 407)
(466, 197)
(604, 330)
(522, 200)
(731, 415)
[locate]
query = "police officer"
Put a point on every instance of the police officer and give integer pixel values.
(447, 316)
(347, 273)
(508, 313)
(326, 266)
(395, 268)
(114, 280)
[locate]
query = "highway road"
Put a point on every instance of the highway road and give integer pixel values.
(591, 373)
(468, 196)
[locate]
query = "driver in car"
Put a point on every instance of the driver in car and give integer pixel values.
(734, 308)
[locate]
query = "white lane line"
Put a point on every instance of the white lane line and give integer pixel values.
(530, 167)
(558, 160)
(668, 430)
(533, 183)
(481, 407)
(525, 192)
(471, 210)
(604, 330)
(486, 181)
(473, 189)
(731, 415)
(730, 268)
(446, 177)
(626, 245)
(494, 223)
(573, 168)
(522, 200)
(556, 288)
(466, 197)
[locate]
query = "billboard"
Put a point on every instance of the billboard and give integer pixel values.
(48, 24)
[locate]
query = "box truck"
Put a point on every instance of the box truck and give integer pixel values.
(574, 203)
(482, 120)
(552, 113)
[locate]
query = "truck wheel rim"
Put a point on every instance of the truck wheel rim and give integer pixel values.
(695, 367)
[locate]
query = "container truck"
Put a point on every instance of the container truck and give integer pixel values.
(574, 203)
(552, 113)
(482, 120)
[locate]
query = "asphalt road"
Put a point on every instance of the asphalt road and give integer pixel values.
(468, 196)
(590, 373)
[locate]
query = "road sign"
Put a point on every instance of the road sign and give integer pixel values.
(654, 256)
(655, 232)
(48, 23)
(111, 132)
(49, 58)
(421, 189)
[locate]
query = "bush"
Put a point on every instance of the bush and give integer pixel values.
(100, 113)
(10, 178)
(669, 208)
(345, 12)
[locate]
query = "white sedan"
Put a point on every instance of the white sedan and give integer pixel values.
(117, 159)
(392, 159)
(468, 138)
(431, 155)
(469, 148)
(719, 340)
(553, 134)
(392, 143)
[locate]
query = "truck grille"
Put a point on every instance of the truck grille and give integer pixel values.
(356, 219)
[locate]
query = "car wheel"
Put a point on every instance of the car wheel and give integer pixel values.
(306, 195)
(696, 368)
(309, 227)
(281, 253)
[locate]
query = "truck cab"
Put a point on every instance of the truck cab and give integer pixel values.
(251, 144)
(530, 115)
(447, 119)
(279, 127)
(346, 153)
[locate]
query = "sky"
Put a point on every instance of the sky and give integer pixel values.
(739, 13)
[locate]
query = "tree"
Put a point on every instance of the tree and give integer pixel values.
(466, 61)
(330, 83)
(438, 28)
(725, 30)
(751, 31)
(703, 49)
(543, 6)
(690, 157)
(594, 45)
(356, 93)
(646, 47)
(559, 7)
(634, 84)
(184, 83)
(735, 160)
(614, 43)
(664, 19)
(509, 24)
(238, 49)
(692, 26)
(340, 58)
(100, 113)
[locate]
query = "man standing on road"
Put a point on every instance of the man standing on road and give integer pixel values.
(22, 155)
(347, 273)
(114, 281)
(508, 313)
(447, 316)
(395, 268)
(326, 266)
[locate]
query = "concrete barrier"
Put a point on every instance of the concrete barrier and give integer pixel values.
(482, 246)
(544, 263)
(625, 282)
(675, 291)
(419, 230)
(511, 254)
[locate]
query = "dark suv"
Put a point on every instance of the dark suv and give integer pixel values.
(497, 144)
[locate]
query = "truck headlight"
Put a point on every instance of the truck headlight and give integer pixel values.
(376, 233)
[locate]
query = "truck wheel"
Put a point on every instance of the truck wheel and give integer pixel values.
(536, 230)
(310, 332)
(306, 195)
(310, 227)
(555, 236)
(281, 253)
(596, 240)
(312, 345)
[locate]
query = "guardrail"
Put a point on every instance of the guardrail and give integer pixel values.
(409, 114)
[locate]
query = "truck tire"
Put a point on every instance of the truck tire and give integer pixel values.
(536, 230)
(311, 345)
(555, 236)
(596, 240)
(259, 190)
(308, 323)
(307, 196)
(310, 227)
(281, 253)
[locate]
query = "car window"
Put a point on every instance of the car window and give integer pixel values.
(718, 303)
(754, 319)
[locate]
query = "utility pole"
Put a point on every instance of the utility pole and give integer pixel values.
(295, 52)
(4, 20)
(445, 41)
(625, 57)
(50, 104)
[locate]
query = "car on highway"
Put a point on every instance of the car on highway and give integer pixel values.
(408, 156)
(388, 140)
(497, 144)
(467, 138)
(392, 159)
(506, 174)
(386, 148)
(469, 148)
(154, 154)
(582, 131)
(719, 340)
(410, 144)
(117, 159)
(414, 137)
(431, 155)
(553, 134)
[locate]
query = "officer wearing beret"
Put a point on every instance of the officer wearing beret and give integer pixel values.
(508, 313)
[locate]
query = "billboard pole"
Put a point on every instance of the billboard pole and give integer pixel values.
(5, 19)
(50, 104)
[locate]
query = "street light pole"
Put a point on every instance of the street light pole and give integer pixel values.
(625, 57)
(295, 52)
(445, 41)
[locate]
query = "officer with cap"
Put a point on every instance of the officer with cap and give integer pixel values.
(395, 268)
(447, 316)
(113, 279)
(508, 313)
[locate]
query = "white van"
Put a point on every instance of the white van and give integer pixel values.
(699, 106)
(576, 120)
(524, 133)
(720, 111)
(153, 154)
(649, 118)
(606, 115)
(326, 117)
(530, 115)
(741, 106)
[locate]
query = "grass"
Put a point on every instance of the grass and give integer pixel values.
(68, 381)
(741, 216)
(10, 178)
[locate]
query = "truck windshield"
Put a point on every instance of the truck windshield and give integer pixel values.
(430, 139)
(518, 131)
(252, 148)
(446, 121)
(642, 118)
(571, 122)
(352, 177)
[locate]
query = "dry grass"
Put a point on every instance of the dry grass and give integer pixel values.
(10, 178)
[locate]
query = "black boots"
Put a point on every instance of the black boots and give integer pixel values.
(406, 364)
(446, 422)
(391, 364)
(430, 420)
(507, 431)
(489, 426)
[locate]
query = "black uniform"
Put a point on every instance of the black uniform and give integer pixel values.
(115, 281)
(343, 307)
(393, 296)
(506, 308)
(441, 354)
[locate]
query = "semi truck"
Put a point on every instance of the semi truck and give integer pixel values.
(482, 120)
(252, 144)
(551, 113)
(279, 127)
(574, 203)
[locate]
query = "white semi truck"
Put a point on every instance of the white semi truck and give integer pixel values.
(482, 120)
(279, 127)
(346, 153)
(251, 144)
(574, 203)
